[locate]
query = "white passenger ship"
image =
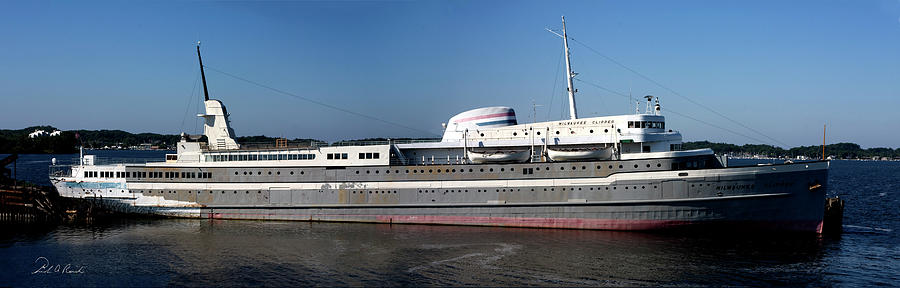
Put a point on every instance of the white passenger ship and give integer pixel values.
(625, 172)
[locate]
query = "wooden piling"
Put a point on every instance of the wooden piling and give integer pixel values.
(834, 216)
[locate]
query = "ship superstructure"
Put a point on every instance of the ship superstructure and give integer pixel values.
(624, 172)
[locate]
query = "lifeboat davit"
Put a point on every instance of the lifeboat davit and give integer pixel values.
(499, 156)
(580, 154)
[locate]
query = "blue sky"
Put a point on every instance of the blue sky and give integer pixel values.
(782, 68)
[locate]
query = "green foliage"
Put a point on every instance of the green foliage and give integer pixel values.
(17, 141)
(838, 150)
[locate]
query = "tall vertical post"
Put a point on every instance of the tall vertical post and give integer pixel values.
(202, 75)
(573, 114)
(823, 140)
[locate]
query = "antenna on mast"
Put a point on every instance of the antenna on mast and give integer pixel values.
(534, 111)
(573, 114)
(202, 75)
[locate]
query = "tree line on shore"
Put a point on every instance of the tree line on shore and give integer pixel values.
(837, 150)
(18, 141)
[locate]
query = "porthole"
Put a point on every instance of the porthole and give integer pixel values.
(619, 130)
(367, 171)
(492, 170)
(620, 166)
(562, 168)
(439, 170)
(278, 173)
(292, 172)
(642, 187)
(454, 170)
(357, 172)
(592, 131)
(430, 171)
(515, 134)
(557, 132)
(658, 165)
(407, 171)
(245, 172)
(605, 130)
(547, 168)
(511, 169)
(598, 166)
(635, 165)
(626, 187)
(258, 172)
(648, 165)
(583, 168)
(573, 168)
(610, 166)
(482, 169)
(421, 171)
(270, 172)
(502, 169)
(235, 173)
(301, 172)
(247, 192)
(470, 169)
(396, 171)
(415, 171)
(482, 134)
(539, 133)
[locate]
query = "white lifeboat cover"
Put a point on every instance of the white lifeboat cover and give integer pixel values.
(480, 118)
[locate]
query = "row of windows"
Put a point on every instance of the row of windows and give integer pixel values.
(337, 156)
(647, 124)
(552, 189)
(154, 174)
(260, 157)
(369, 155)
(525, 171)
(557, 132)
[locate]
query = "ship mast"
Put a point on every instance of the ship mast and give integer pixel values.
(202, 75)
(570, 76)
(573, 114)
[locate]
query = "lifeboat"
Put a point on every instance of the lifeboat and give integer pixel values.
(580, 154)
(498, 156)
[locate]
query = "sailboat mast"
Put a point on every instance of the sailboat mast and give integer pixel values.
(202, 75)
(573, 114)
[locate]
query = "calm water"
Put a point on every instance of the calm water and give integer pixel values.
(242, 253)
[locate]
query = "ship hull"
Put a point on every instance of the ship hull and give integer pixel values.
(780, 197)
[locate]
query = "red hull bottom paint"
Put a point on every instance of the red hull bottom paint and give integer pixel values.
(534, 222)
(598, 224)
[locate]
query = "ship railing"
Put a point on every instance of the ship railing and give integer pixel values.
(317, 144)
(112, 161)
(427, 161)
(64, 170)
